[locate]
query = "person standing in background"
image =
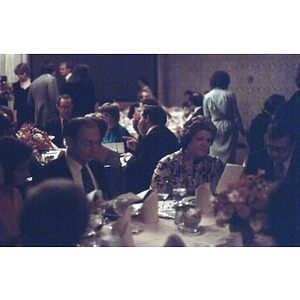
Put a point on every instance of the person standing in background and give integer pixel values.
(22, 111)
(81, 88)
(221, 107)
(43, 94)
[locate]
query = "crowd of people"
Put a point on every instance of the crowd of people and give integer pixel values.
(35, 198)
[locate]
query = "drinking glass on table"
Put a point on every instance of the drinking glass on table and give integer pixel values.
(163, 193)
(178, 193)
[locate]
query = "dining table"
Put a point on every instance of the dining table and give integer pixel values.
(157, 234)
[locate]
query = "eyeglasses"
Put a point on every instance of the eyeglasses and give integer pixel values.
(278, 149)
(65, 107)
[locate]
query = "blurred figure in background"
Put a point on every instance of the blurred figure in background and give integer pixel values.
(55, 214)
(115, 131)
(23, 112)
(144, 86)
(259, 125)
(15, 159)
(65, 69)
(58, 124)
(81, 88)
(43, 94)
(221, 107)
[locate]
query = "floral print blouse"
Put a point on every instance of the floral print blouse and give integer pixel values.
(176, 170)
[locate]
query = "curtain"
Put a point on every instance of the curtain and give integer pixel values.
(8, 62)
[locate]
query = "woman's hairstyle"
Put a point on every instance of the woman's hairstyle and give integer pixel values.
(101, 122)
(55, 214)
(13, 153)
(22, 68)
(192, 126)
(220, 79)
(111, 109)
(81, 72)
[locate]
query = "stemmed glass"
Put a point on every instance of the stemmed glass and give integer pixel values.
(178, 193)
(163, 193)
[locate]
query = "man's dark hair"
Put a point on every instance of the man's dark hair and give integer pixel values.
(47, 67)
(64, 96)
(220, 79)
(197, 100)
(55, 214)
(272, 103)
(156, 114)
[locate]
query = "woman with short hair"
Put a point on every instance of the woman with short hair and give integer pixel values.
(191, 166)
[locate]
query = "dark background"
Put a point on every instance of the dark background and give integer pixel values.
(114, 75)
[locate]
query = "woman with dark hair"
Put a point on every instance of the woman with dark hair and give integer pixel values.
(81, 88)
(191, 165)
(15, 158)
(221, 107)
(116, 131)
(23, 112)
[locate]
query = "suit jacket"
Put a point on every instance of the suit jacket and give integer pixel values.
(59, 168)
(158, 143)
(260, 160)
(53, 127)
(43, 94)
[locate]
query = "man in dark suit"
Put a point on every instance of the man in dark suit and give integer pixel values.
(56, 126)
(82, 137)
(276, 158)
(196, 104)
(157, 141)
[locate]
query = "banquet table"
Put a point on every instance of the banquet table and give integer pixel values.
(156, 235)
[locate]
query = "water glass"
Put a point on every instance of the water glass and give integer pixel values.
(189, 220)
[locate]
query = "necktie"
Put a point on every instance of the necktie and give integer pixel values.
(87, 180)
(279, 172)
(65, 123)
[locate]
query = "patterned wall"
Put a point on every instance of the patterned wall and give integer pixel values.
(253, 77)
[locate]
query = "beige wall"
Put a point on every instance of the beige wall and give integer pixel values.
(253, 78)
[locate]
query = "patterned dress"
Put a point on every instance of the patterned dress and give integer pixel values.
(176, 169)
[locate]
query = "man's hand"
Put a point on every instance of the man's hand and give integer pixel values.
(131, 142)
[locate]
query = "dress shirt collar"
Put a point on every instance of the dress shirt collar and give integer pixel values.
(151, 128)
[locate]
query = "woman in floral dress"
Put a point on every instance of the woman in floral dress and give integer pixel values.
(191, 166)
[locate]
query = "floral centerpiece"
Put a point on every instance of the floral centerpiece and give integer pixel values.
(34, 137)
(244, 206)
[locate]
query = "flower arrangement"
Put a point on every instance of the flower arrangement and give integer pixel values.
(245, 201)
(34, 137)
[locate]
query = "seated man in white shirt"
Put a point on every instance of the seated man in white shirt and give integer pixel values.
(78, 163)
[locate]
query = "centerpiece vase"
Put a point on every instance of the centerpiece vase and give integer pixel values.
(238, 224)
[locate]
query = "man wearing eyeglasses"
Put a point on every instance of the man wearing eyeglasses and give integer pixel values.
(275, 159)
(57, 125)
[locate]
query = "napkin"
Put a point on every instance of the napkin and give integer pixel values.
(149, 210)
(203, 198)
(123, 228)
(174, 241)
